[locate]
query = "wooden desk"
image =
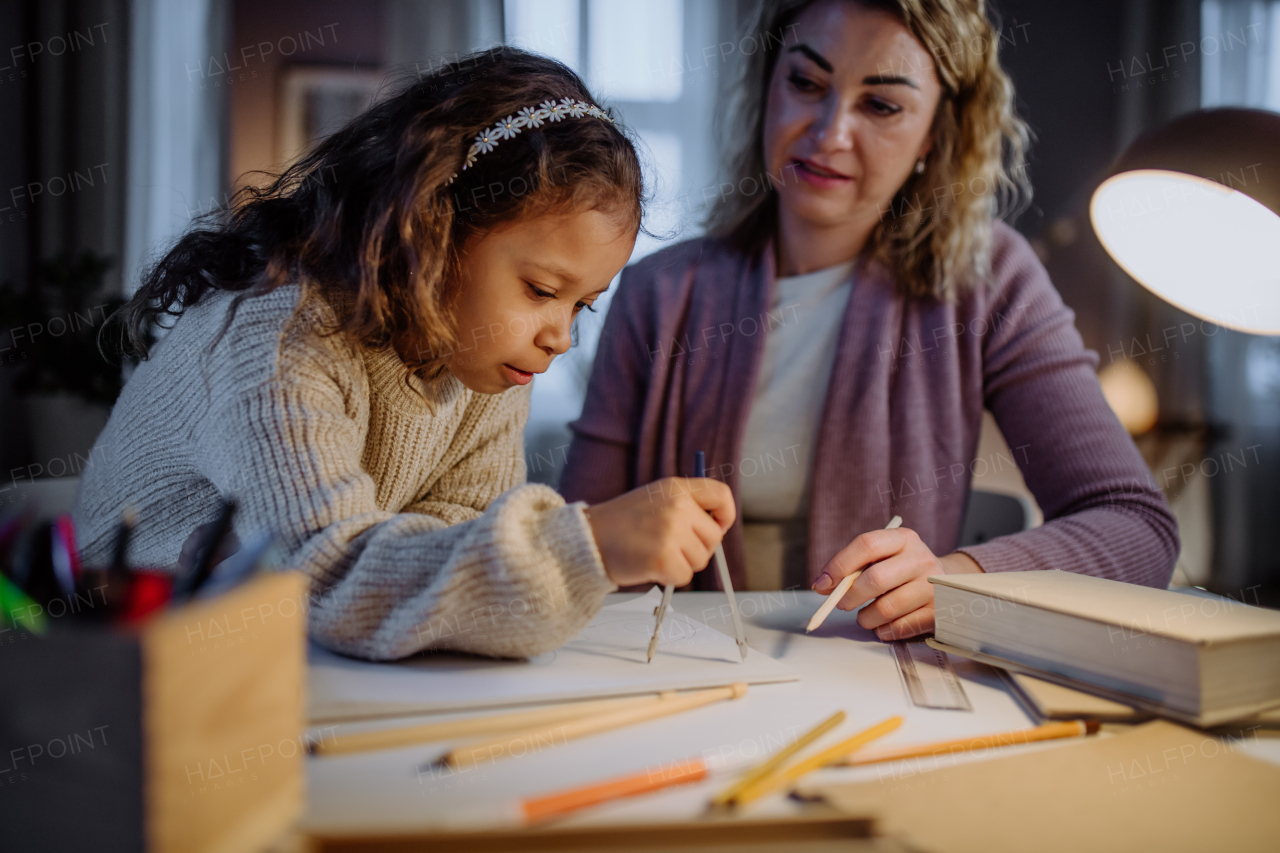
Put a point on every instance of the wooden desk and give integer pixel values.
(842, 667)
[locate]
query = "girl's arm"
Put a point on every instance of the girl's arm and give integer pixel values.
(1104, 514)
(521, 577)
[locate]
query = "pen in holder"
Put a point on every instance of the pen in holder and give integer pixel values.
(176, 728)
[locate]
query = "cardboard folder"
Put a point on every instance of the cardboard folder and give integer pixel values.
(1159, 786)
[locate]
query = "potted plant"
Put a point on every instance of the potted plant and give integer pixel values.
(49, 345)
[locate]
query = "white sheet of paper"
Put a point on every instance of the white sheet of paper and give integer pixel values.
(606, 659)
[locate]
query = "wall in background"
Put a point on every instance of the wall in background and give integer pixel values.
(63, 181)
(1085, 75)
(268, 37)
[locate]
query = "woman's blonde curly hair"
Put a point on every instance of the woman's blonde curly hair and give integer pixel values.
(935, 238)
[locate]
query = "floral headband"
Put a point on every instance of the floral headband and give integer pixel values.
(511, 126)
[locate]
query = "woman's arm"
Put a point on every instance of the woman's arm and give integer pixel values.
(1104, 514)
(520, 578)
(601, 461)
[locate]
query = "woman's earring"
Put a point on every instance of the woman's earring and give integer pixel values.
(920, 166)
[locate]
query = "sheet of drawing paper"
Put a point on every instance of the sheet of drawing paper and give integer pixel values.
(606, 659)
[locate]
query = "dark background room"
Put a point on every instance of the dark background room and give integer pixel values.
(126, 120)
(331, 616)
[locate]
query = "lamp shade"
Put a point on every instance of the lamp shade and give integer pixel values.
(1191, 210)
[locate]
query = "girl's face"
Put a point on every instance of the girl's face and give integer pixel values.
(848, 111)
(522, 285)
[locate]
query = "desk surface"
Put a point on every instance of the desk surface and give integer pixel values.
(842, 666)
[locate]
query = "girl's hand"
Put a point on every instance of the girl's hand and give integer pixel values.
(662, 532)
(898, 581)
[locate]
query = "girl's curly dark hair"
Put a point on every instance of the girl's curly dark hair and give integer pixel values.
(369, 216)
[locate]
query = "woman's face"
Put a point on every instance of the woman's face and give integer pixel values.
(848, 112)
(522, 286)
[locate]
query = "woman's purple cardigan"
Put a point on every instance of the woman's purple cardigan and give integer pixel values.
(676, 369)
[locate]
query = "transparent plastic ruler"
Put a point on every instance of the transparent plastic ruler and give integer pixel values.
(929, 677)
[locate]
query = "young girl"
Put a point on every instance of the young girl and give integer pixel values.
(352, 363)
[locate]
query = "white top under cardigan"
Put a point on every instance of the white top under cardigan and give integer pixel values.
(782, 424)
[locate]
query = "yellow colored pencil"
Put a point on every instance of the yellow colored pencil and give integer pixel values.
(832, 754)
(775, 761)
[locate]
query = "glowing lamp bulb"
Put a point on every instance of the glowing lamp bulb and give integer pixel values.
(1210, 250)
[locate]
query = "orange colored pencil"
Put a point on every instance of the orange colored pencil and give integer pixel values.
(1048, 731)
(563, 802)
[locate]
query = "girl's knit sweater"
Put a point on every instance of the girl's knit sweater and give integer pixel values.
(410, 515)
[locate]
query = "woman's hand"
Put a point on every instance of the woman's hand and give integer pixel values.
(897, 569)
(662, 532)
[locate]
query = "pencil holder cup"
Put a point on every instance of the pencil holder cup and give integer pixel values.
(180, 734)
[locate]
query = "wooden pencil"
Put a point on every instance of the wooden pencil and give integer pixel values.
(491, 724)
(775, 761)
(1048, 731)
(533, 739)
(774, 781)
(563, 802)
(841, 588)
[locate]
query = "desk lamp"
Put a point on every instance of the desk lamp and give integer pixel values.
(1191, 211)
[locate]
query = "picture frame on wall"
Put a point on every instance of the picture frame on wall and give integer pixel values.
(316, 100)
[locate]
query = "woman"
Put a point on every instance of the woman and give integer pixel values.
(833, 343)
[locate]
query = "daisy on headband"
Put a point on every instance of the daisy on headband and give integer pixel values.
(511, 126)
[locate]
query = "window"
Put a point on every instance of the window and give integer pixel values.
(634, 49)
(657, 63)
(1240, 54)
(549, 27)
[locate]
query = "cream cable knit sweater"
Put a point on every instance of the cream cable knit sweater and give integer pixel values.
(410, 518)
